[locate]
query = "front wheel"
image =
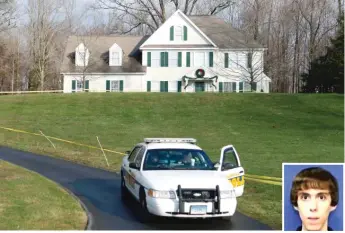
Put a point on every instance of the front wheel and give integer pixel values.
(124, 193)
(144, 215)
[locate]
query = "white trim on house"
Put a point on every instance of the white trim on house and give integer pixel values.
(115, 48)
(182, 15)
(189, 48)
(158, 75)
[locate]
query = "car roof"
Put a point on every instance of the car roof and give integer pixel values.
(171, 146)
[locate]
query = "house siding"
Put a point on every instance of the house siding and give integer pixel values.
(97, 83)
(173, 74)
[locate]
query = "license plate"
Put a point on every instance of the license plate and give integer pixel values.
(198, 209)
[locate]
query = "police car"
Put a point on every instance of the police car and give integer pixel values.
(173, 177)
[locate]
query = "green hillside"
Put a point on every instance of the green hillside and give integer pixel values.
(23, 207)
(266, 129)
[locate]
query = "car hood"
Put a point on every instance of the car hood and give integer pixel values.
(169, 180)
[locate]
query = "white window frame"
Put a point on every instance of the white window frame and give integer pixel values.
(246, 86)
(196, 59)
(227, 86)
(178, 34)
(115, 60)
(155, 59)
(79, 85)
(173, 59)
(113, 87)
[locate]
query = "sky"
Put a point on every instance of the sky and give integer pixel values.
(80, 7)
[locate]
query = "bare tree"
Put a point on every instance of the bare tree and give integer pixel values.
(46, 24)
(151, 14)
(245, 65)
(7, 12)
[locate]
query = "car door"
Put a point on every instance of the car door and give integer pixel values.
(136, 173)
(128, 175)
(230, 166)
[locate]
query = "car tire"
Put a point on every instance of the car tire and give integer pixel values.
(124, 191)
(144, 215)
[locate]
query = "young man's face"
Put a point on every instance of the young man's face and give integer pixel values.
(314, 206)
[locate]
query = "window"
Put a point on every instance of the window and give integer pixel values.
(199, 59)
(132, 156)
(115, 58)
(82, 58)
(178, 33)
(247, 86)
(115, 86)
(79, 85)
(232, 60)
(155, 59)
(173, 57)
(177, 159)
(139, 157)
(227, 87)
(229, 159)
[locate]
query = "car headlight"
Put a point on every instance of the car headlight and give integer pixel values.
(161, 194)
(227, 194)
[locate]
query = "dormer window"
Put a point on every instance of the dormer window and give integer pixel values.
(115, 55)
(115, 58)
(82, 55)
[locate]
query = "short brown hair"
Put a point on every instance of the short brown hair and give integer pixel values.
(317, 178)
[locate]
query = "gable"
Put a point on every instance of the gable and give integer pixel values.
(172, 33)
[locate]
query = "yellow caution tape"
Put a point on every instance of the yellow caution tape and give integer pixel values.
(265, 181)
(265, 177)
(62, 140)
(262, 179)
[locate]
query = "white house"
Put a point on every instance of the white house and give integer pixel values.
(186, 54)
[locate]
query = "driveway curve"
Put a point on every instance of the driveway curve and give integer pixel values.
(99, 190)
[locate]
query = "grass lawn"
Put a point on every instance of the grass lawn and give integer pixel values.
(29, 201)
(266, 129)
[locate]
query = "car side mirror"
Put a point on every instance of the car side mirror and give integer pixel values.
(216, 165)
(133, 165)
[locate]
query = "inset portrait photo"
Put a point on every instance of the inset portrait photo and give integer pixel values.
(313, 197)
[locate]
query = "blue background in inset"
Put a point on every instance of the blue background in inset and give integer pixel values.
(291, 216)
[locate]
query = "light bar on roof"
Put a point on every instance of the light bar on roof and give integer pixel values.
(171, 140)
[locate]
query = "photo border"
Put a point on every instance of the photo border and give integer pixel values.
(313, 163)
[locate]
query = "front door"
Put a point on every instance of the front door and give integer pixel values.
(199, 86)
(230, 165)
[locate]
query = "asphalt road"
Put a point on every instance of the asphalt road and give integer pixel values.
(99, 191)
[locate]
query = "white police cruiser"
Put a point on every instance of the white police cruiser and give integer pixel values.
(173, 177)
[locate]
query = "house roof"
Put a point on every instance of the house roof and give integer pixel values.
(99, 54)
(178, 46)
(222, 33)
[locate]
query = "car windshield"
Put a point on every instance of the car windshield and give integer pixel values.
(177, 159)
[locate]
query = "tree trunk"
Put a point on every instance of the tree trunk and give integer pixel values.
(296, 46)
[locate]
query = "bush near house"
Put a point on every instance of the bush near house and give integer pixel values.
(266, 129)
